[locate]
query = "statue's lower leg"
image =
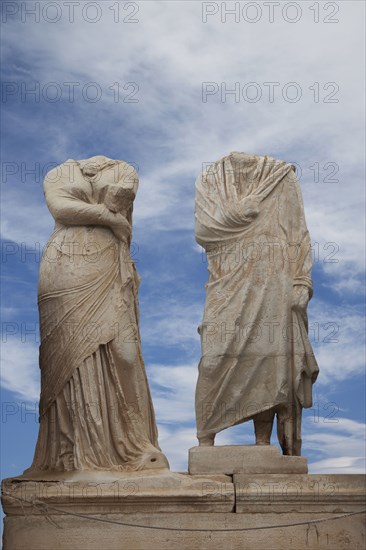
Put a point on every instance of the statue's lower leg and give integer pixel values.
(263, 424)
(289, 429)
(207, 440)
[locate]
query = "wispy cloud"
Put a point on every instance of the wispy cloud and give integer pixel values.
(19, 370)
(339, 446)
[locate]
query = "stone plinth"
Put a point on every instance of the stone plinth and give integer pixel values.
(280, 493)
(247, 459)
(137, 492)
(178, 511)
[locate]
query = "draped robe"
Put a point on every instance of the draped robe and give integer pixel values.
(95, 408)
(256, 355)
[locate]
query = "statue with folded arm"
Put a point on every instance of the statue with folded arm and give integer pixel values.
(96, 411)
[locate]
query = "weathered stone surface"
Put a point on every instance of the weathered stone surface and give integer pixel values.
(157, 492)
(96, 411)
(257, 361)
(299, 493)
(70, 533)
(249, 459)
(175, 516)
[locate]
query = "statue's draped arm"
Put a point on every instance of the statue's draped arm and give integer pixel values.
(69, 207)
(293, 224)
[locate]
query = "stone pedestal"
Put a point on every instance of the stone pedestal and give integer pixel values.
(171, 511)
(302, 494)
(248, 459)
(164, 492)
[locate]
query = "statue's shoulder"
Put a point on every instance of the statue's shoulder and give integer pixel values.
(62, 174)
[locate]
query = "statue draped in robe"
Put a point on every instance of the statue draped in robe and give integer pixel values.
(96, 411)
(257, 361)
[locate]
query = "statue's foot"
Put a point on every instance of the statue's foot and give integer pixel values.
(206, 441)
(149, 460)
(154, 461)
(263, 442)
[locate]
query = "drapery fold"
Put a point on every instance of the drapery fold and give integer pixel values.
(96, 411)
(256, 354)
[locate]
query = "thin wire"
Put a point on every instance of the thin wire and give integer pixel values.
(42, 505)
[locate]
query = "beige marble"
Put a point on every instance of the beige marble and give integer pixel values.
(316, 493)
(96, 411)
(257, 361)
(244, 459)
(120, 492)
(196, 514)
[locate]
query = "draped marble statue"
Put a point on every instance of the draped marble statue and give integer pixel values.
(257, 361)
(96, 411)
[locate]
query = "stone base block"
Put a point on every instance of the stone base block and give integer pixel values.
(184, 531)
(126, 493)
(182, 512)
(300, 494)
(246, 459)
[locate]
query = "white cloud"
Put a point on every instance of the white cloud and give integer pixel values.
(173, 325)
(340, 445)
(340, 465)
(173, 390)
(175, 444)
(19, 369)
(338, 338)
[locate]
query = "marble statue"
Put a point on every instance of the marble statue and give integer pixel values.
(96, 411)
(257, 361)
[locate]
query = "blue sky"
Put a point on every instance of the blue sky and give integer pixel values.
(176, 124)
